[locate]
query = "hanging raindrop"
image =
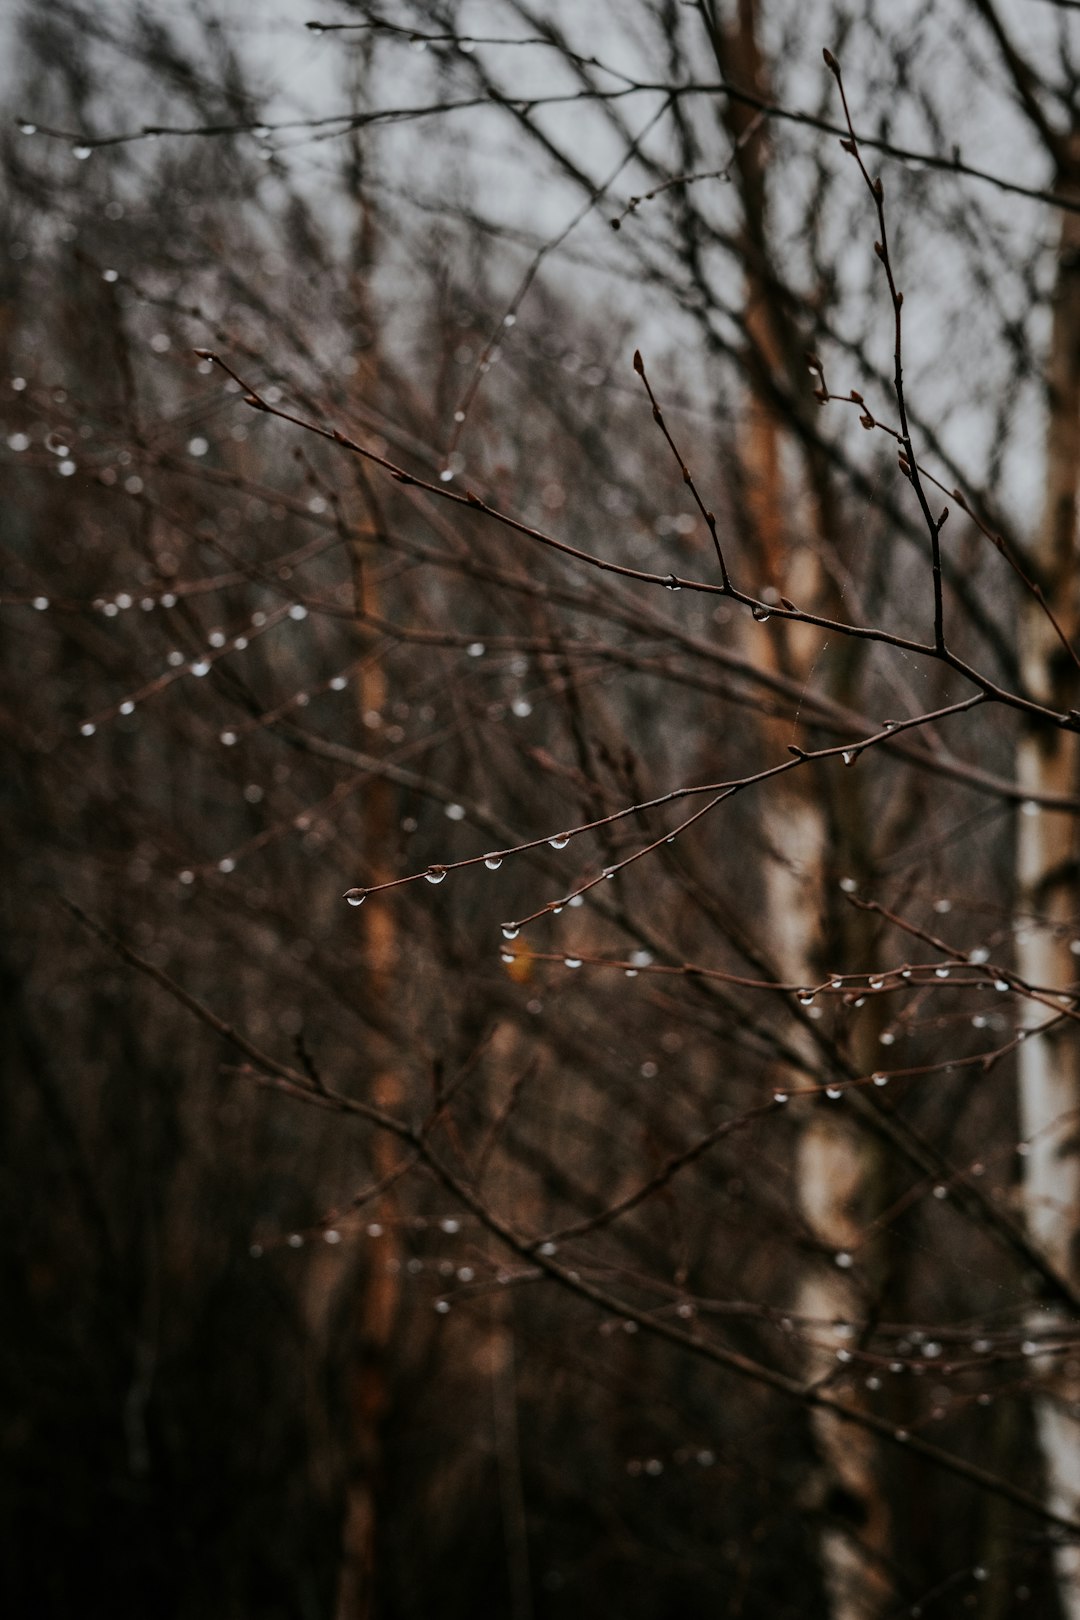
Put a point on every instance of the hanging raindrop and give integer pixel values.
(356, 897)
(510, 930)
(435, 874)
(560, 841)
(493, 862)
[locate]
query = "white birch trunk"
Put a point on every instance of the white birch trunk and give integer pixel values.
(838, 1168)
(836, 1165)
(1049, 894)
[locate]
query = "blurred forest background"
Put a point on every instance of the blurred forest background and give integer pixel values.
(671, 1209)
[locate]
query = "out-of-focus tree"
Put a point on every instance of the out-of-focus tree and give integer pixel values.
(622, 1201)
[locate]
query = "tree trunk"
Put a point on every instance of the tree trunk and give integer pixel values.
(839, 1169)
(1048, 897)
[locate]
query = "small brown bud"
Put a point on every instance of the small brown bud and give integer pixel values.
(830, 61)
(639, 364)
